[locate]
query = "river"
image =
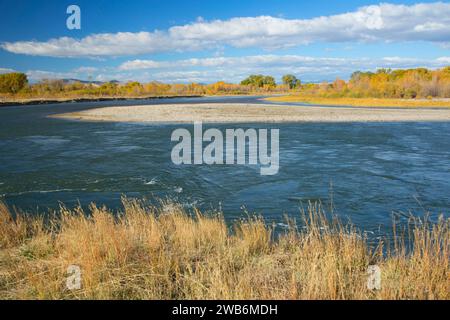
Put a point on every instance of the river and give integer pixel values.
(365, 172)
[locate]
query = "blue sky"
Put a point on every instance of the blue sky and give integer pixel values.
(206, 41)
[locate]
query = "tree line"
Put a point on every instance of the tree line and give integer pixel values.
(387, 83)
(384, 83)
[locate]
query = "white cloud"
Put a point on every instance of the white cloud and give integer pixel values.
(443, 60)
(36, 75)
(234, 69)
(257, 60)
(85, 69)
(78, 73)
(384, 22)
(430, 26)
(278, 61)
(6, 70)
(141, 64)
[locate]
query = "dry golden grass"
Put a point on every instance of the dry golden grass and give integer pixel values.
(148, 252)
(363, 102)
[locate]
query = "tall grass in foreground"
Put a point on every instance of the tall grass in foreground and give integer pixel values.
(162, 252)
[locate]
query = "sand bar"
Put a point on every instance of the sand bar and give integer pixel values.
(249, 113)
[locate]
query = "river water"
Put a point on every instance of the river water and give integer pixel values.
(364, 171)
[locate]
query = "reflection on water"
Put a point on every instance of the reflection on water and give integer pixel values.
(369, 169)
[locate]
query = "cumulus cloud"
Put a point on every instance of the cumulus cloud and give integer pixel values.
(234, 69)
(37, 75)
(385, 22)
(289, 61)
(247, 61)
(82, 73)
(6, 70)
(141, 64)
(105, 44)
(85, 69)
(443, 60)
(313, 69)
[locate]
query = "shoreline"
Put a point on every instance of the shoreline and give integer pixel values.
(252, 113)
(275, 97)
(43, 101)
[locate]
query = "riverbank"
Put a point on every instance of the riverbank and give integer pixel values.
(252, 113)
(164, 252)
(364, 102)
(40, 101)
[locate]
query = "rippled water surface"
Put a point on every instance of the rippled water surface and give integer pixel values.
(367, 170)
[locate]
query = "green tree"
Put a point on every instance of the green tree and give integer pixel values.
(256, 80)
(291, 81)
(133, 88)
(259, 80)
(12, 82)
(108, 88)
(269, 81)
